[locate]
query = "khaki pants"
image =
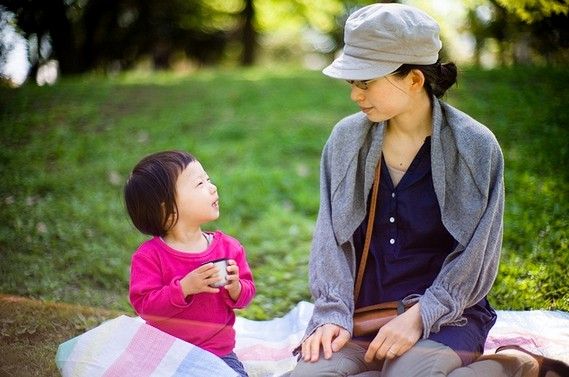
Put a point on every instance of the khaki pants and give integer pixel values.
(426, 359)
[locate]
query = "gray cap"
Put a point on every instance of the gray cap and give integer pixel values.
(379, 38)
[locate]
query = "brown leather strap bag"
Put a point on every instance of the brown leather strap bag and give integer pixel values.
(369, 319)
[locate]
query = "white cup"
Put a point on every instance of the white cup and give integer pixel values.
(221, 265)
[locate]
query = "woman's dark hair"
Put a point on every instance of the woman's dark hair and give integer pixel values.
(438, 77)
(150, 192)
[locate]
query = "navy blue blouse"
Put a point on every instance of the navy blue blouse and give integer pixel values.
(408, 247)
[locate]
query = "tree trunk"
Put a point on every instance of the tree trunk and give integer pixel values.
(249, 34)
(60, 30)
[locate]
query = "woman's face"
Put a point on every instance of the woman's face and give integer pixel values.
(385, 98)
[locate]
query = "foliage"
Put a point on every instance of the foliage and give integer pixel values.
(532, 10)
(66, 150)
(80, 31)
(206, 32)
(187, 33)
(296, 14)
(525, 31)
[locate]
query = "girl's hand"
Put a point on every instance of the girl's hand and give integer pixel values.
(198, 280)
(332, 337)
(233, 285)
(397, 336)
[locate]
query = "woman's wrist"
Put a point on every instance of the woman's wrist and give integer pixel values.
(415, 312)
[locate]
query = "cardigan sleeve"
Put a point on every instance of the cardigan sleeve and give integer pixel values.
(469, 272)
(330, 276)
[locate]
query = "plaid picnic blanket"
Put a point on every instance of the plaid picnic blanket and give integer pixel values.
(126, 346)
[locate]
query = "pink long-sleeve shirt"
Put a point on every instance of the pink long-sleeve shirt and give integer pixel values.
(204, 319)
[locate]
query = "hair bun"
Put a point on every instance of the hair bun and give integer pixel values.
(446, 78)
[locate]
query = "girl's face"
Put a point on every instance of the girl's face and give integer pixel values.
(196, 197)
(385, 98)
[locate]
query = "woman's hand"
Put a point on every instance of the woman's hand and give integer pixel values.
(332, 337)
(198, 280)
(397, 336)
(233, 285)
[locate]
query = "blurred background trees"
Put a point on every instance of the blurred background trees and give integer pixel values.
(523, 31)
(115, 35)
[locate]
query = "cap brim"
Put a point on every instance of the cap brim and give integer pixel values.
(348, 67)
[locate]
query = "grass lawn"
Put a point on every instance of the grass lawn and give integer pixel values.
(66, 150)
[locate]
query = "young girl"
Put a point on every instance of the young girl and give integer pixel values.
(173, 282)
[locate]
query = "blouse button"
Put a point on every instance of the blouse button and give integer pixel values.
(392, 241)
(392, 219)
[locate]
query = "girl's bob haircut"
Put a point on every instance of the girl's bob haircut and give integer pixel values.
(150, 191)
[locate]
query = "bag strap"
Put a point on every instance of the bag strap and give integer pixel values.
(369, 229)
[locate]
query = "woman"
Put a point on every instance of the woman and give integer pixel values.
(437, 232)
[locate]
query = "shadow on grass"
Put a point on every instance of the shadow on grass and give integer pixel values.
(31, 331)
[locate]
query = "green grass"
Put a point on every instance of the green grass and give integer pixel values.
(66, 150)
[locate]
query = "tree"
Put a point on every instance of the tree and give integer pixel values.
(535, 10)
(551, 38)
(38, 18)
(547, 25)
(525, 31)
(98, 34)
(91, 35)
(249, 34)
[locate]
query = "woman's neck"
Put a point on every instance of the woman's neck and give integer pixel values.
(405, 134)
(416, 123)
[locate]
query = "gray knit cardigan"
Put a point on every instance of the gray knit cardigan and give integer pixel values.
(467, 169)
